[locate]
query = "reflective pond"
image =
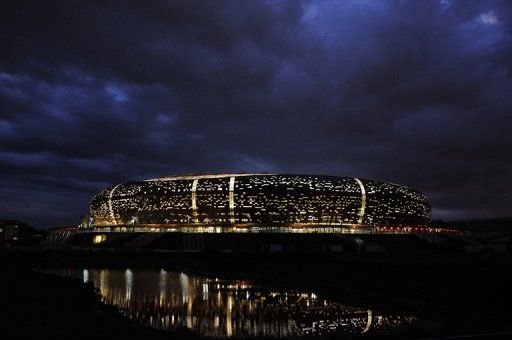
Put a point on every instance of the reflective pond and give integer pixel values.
(229, 308)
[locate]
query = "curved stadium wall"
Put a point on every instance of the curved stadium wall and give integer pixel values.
(263, 199)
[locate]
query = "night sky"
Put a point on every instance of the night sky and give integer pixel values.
(92, 94)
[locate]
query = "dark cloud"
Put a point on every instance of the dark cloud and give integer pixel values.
(95, 93)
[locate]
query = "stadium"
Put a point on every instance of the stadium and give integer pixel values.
(258, 200)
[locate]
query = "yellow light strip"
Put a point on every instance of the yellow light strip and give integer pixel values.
(194, 177)
(194, 201)
(110, 209)
(363, 201)
(232, 200)
(368, 322)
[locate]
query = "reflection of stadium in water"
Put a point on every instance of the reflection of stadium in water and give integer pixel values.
(220, 308)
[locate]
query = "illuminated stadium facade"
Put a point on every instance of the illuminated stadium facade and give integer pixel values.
(259, 200)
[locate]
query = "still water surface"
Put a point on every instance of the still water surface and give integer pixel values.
(229, 308)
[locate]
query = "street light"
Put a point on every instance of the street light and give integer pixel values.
(188, 221)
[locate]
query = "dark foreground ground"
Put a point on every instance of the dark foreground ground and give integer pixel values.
(461, 294)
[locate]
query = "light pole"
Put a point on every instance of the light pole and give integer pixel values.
(134, 220)
(188, 222)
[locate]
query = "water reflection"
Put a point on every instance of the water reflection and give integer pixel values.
(224, 308)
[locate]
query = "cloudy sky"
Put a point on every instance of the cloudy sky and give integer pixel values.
(414, 92)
